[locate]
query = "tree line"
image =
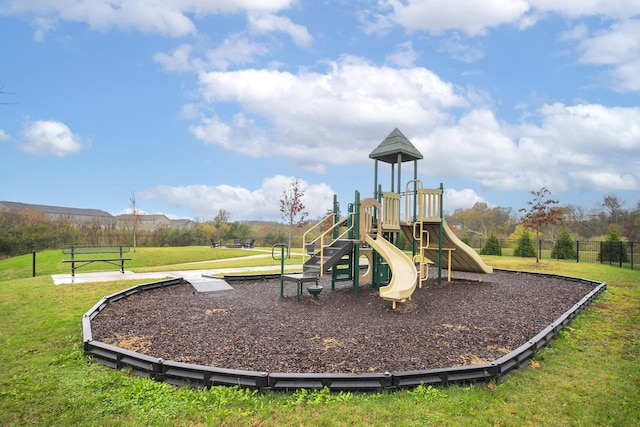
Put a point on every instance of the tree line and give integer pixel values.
(24, 231)
(547, 219)
(543, 219)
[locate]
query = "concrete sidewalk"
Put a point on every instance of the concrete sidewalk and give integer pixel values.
(191, 276)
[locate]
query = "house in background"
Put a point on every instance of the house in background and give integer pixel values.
(79, 216)
(153, 222)
(72, 215)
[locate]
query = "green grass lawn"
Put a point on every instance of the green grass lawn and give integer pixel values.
(590, 376)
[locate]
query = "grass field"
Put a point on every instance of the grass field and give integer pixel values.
(589, 376)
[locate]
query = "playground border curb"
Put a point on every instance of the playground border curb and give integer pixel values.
(201, 376)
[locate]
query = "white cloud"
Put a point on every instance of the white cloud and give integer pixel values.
(3, 135)
(179, 59)
(234, 50)
(461, 51)
(49, 138)
(591, 127)
(241, 136)
(263, 203)
(619, 9)
(572, 147)
(315, 116)
(404, 56)
(475, 147)
(619, 49)
(460, 199)
(606, 181)
(319, 119)
(474, 18)
(469, 16)
(267, 23)
(166, 17)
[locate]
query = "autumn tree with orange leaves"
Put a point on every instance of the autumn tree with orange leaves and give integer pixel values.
(542, 211)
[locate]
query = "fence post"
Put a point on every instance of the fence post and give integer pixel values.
(34, 264)
(620, 252)
(578, 251)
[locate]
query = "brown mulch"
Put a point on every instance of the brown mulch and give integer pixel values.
(251, 327)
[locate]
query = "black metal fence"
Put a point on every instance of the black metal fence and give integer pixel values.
(620, 254)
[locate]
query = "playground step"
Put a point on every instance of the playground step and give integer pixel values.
(331, 255)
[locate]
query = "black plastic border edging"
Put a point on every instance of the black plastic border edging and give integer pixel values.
(199, 376)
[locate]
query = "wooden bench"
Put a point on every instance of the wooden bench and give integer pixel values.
(86, 250)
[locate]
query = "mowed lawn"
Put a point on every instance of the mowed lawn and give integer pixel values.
(590, 376)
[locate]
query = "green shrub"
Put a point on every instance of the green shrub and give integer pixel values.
(564, 247)
(524, 246)
(613, 249)
(491, 246)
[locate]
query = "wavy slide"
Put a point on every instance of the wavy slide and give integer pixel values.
(404, 275)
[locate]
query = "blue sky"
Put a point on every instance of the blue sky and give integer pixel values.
(195, 106)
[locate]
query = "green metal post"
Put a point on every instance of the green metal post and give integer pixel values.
(282, 247)
(336, 216)
(375, 181)
(440, 238)
(393, 171)
(356, 248)
(415, 202)
(399, 174)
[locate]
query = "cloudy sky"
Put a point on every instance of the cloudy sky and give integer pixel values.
(199, 105)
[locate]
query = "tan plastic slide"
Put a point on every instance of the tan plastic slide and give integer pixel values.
(457, 255)
(404, 275)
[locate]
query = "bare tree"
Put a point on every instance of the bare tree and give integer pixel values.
(134, 213)
(613, 205)
(291, 207)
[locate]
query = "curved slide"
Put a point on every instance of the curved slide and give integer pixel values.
(463, 257)
(404, 275)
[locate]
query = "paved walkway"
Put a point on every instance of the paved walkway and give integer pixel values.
(203, 280)
(200, 276)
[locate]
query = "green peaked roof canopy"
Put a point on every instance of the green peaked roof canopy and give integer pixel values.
(395, 143)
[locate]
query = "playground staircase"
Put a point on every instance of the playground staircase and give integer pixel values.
(327, 257)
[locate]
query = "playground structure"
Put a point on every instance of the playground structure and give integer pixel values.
(372, 228)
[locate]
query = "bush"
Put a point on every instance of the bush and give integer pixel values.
(524, 246)
(272, 238)
(613, 249)
(564, 248)
(491, 246)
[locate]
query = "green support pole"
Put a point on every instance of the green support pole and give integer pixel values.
(415, 202)
(356, 249)
(440, 238)
(336, 216)
(393, 172)
(375, 181)
(282, 247)
(399, 174)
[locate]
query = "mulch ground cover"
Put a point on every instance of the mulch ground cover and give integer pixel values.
(251, 327)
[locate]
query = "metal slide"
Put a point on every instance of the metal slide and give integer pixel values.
(404, 275)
